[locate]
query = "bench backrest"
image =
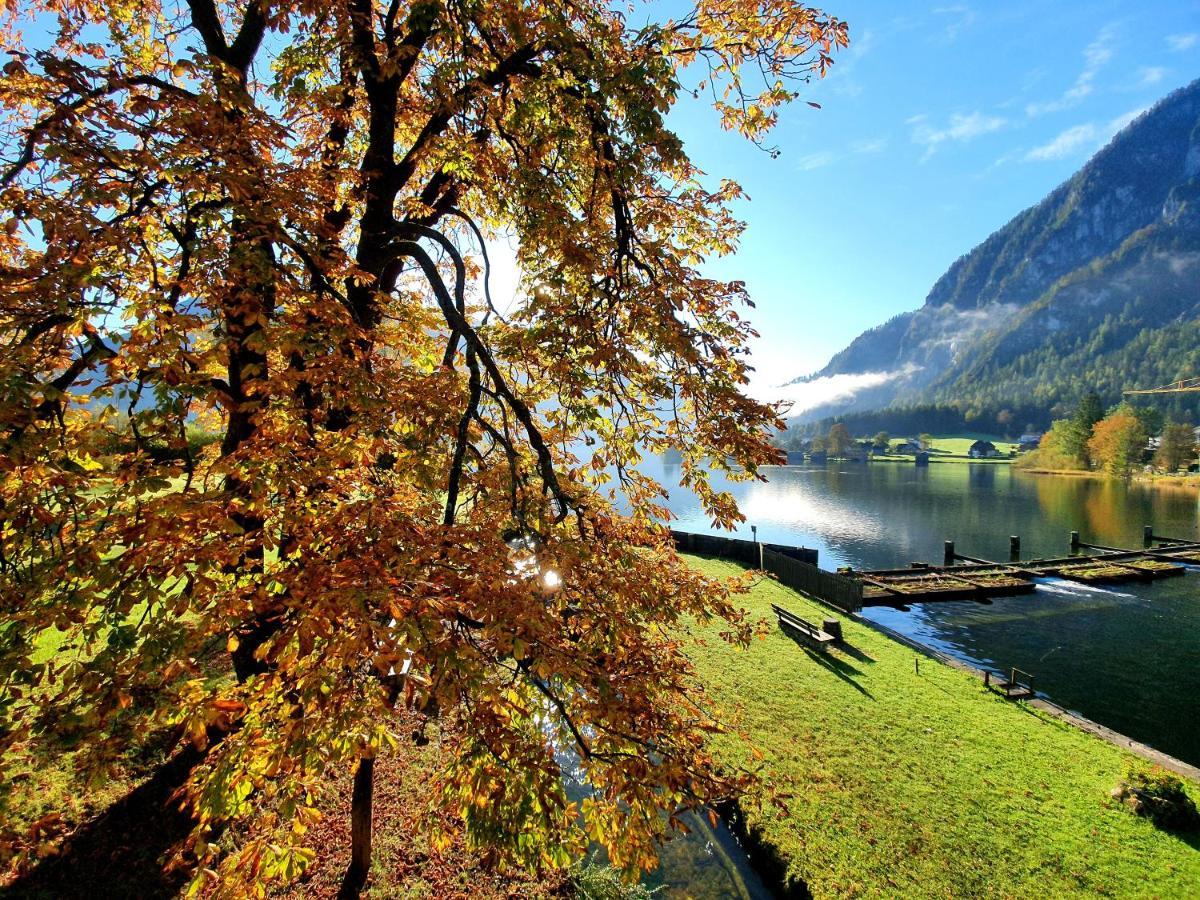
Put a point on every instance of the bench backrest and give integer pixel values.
(795, 621)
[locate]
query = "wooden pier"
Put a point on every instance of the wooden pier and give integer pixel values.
(963, 577)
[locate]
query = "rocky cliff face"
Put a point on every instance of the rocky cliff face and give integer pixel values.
(1069, 296)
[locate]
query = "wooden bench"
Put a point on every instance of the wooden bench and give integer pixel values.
(806, 631)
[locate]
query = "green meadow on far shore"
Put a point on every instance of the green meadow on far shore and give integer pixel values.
(953, 449)
(924, 784)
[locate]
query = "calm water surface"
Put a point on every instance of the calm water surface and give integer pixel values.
(1125, 656)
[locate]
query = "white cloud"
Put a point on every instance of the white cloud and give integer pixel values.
(1096, 55)
(873, 145)
(830, 389)
(1066, 143)
(961, 17)
(812, 161)
(1177, 43)
(1089, 136)
(1122, 120)
(960, 129)
(1148, 75)
(842, 76)
(505, 281)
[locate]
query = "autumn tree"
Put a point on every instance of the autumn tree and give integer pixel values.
(1117, 442)
(839, 440)
(925, 440)
(1176, 448)
(1065, 444)
(1058, 450)
(272, 222)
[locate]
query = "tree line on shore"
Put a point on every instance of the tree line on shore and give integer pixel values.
(1116, 442)
(839, 441)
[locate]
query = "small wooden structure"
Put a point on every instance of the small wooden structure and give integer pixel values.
(808, 632)
(1013, 688)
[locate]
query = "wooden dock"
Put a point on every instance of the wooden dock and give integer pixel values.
(970, 578)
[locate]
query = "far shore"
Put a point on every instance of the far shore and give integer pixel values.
(1154, 479)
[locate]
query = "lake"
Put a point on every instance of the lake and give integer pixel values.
(1125, 656)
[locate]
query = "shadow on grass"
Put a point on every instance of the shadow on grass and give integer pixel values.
(838, 667)
(1191, 838)
(119, 853)
(855, 653)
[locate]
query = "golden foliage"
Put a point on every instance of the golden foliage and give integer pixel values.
(256, 397)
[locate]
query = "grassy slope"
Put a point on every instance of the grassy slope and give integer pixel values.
(959, 444)
(927, 785)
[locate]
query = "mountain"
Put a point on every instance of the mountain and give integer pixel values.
(1096, 288)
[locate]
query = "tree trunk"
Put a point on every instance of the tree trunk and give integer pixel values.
(360, 830)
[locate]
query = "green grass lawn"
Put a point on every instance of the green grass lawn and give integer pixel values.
(953, 449)
(958, 444)
(926, 785)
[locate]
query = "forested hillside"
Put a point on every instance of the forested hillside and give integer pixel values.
(1096, 288)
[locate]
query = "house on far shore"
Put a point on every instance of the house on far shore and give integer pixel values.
(907, 448)
(1029, 441)
(982, 450)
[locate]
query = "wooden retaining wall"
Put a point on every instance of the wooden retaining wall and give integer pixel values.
(795, 567)
(844, 593)
(735, 548)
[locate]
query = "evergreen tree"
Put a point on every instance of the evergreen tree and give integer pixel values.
(1090, 410)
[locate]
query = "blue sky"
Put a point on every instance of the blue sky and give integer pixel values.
(939, 124)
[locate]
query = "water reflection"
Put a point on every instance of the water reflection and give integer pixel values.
(705, 863)
(1124, 656)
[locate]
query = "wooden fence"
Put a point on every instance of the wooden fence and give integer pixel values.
(795, 567)
(745, 552)
(836, 590)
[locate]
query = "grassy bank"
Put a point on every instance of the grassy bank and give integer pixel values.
(1153, 479)
(905, 784)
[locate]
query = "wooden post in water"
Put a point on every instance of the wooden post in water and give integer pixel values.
(1074, 541)
(948, 559)
(1014, 547)
(1147, 535)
